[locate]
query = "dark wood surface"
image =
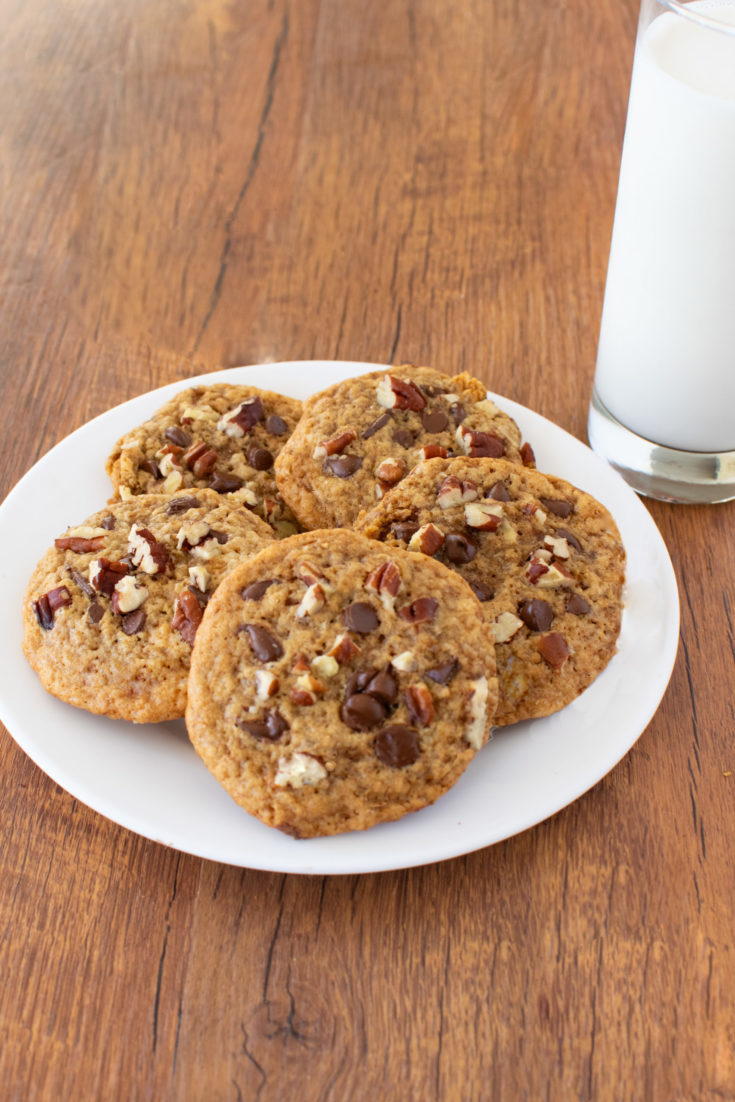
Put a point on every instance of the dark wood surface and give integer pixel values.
(201, 184)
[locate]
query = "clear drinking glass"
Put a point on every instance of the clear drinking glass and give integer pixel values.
(663, 404)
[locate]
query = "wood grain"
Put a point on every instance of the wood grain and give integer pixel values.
(205, 183)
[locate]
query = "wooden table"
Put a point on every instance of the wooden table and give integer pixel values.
(192, 185)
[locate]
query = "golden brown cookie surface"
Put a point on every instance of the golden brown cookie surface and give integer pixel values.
(335, 686)
(361, 436)
(112, 609)
(544, 559)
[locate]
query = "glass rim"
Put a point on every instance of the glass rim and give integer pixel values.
(699, 17)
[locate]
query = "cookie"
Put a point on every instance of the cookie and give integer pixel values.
(334, 685)
(360, 437)
(220, 437)
(112, 609)
(544, 559)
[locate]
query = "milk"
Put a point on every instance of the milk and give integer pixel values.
(666, 358)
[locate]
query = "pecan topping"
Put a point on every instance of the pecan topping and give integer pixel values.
(536, 614)
(342, 466)
(454, 492)
(306, 690)
(241, 420)
(553, 647)
(335, 444)
(265, 646)
(205, 463)
(266, 684)
(420, 705)
(48, 605)
(399, 393)
(390, 471)
(344, 649)
(127, 596)
(386, 581)
(360, 617)
(104, 575)
(310, 574)
(376, 424)
(147, 553)
(187, 615)
(433, 451)
(428, 539)
(298, 770)
(312, 600)
(484, 515)
(397, 745)
(527, 457)
(79, 544)
(270, 726)
(505, 627)
(558, 546)
(419, 611)
(481, 444)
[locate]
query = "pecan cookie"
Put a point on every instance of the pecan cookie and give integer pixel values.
(221, 437)
(334, 685)
(360, 437)
(112, 609)
(544, 559)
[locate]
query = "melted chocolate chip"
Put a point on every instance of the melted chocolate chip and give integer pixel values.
(434, 420)
(482, 592)
(553, 647)
(558, 508)
(82, 583)
(150, 467)
(536, 614)
(458, 412)
(577, 605)
(108, 522)
(404, 437)
(225, 483)
(260, 458)
(275, 425)
(362, 711)
(270, 727)
(250, 412)
(266, 647)
(343, 466)
(176, 435)
(180, 505)
(95, 612)
(486, 445)
(43, 612)
(499, 492)
(404, 530)
(444, 674)
(133, 622)
(570, 538)
(360, 617)
(459, 549)
(397, 745)
(357, 682)
(377, 424)
(383, 686)
(255, 590)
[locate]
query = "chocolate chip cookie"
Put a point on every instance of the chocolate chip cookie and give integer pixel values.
(219, 437)
(360, 437)
(336, 684)
(544, 559)
(111, 611)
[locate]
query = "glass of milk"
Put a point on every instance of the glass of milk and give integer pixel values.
(663, 405)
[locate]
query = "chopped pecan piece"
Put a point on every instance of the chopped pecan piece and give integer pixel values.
(266, 684)
(480, 444)
(420, 705)
(452, 491)
(554, 649)
(390, 471)
(310, 574)
(187, 616)
(419, 611)
(344, 649)
(127, 596)
(399, 394)
(48, 604)
(147, 553)
(104, 575)
(335, 444)
(242, 419)
(80, 544)
(428, 539)
(505, 627)
(485, 515)
(433, 451)
(527, 457)
(312, 600)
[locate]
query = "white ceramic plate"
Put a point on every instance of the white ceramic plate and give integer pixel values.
(148, 778)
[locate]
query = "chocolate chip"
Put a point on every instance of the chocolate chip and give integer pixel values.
(420, 610)
(255, 590)
(43, 612)
(362, 711)
(223, 483)
(404, 530)
(377, 424)
(577, 605)
(180, 505)
(108, 522)
(95, 612)
(434, 420)
(358, 680)
(82, 583)
(275, 425)
(570, 538)
(266, 647)
(187, 616)
(499, 492)
(557, 507)
(536, 614)
(108, 575)
(360, 617)
(404, 437)
(342, 465)
(203, 598)
(221, 537)
(459, 549)
(150, 467)
(205, 463)
(383, 686)
(432, 391)
(458, 412)
(397, 745)
(176, 435)
(133, 622)
(482, 592)
(260, 458)
(444, 674)
(270, 727)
